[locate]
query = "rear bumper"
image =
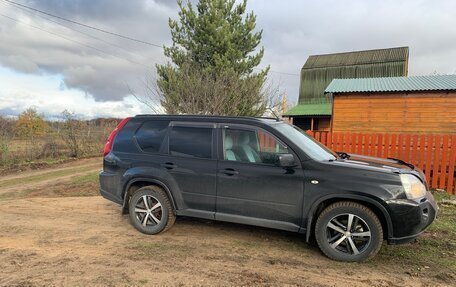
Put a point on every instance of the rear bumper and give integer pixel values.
(108, 187)
(411, 218)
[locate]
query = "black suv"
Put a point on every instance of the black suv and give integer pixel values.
(264, 172)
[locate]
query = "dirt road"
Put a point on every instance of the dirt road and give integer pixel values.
(44, 177)
(82, 241)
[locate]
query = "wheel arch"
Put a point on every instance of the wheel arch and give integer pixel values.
(136, 183)
(375, 206)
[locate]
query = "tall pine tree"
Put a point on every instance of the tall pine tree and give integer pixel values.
(214, 54)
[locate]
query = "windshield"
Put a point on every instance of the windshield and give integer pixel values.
(308, 144)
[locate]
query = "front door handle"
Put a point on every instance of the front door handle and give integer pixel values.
(229, 171)
(168, 165)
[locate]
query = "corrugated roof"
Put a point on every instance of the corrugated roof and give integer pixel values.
(398, 54)
(393, 84)
(320, 70)
(324, 109)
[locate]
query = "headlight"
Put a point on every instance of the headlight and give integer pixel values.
(414, 188)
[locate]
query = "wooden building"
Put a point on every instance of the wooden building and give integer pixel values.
(420, 104)
(314, 108)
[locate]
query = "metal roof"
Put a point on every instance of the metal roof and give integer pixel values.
(398, 54)
(320, 70)
(393, 84)
(324, 109)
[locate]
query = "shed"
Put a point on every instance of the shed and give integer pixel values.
(418, 104)
(315, 107)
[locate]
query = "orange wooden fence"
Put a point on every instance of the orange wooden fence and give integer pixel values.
(433, 153)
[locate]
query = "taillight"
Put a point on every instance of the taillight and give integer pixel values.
(112, 136)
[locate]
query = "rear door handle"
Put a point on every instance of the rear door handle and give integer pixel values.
(168, 165)
(229, 171)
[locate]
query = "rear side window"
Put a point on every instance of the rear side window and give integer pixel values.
(151, 134)
(191, 142)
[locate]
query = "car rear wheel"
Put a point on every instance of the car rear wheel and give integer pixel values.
(348, 231)
(150, 210)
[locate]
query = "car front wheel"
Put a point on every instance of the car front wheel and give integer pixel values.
(348, 231)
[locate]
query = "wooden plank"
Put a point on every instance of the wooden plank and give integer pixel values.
(323, 139)
(414, 151)
(400, 141)
(407, 148)
(353, 143)
(435, 166)
(329, 140)
(348, 143)
(379, 145)
(393, 152)
(443, 166)
(372, 139)
(387, 146)
(422, 150)
(451, 166)
(340, 142)
(335, 137)
(360, 143)
(430, 143)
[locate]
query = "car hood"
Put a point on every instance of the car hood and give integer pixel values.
(388, 163)
(380, 164)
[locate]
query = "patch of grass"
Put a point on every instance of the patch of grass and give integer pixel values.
(14, 194)
(17, 165)
(81, 185)
(41, 177)
(85, 179)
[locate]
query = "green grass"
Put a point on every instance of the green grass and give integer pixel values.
(81, 185)
(41, 177)
(85, 179)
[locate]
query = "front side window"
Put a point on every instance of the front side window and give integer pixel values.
(251, 146)
(308, 144)
(191, 142)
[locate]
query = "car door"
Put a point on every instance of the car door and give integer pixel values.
(251, 187)
(191, 163)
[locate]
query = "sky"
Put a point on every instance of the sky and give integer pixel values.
(46, 65)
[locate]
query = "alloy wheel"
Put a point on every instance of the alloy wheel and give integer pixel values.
(348, 233)
(148, 210)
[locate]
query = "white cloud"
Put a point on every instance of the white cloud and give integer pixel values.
(45, 93)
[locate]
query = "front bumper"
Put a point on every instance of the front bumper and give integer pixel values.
(411, 218)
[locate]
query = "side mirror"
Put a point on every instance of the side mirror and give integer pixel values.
(286, 160)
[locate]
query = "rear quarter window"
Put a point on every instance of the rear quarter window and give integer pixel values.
(151, 134)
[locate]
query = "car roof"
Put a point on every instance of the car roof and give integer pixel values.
(208, 118)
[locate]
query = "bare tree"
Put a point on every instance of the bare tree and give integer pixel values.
(6, 135)
(70, 132)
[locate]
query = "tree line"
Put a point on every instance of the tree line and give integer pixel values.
(30, 137)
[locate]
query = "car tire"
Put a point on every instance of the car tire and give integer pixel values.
(150, 210)
(361, 241)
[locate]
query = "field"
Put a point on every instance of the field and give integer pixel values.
(55, 230)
